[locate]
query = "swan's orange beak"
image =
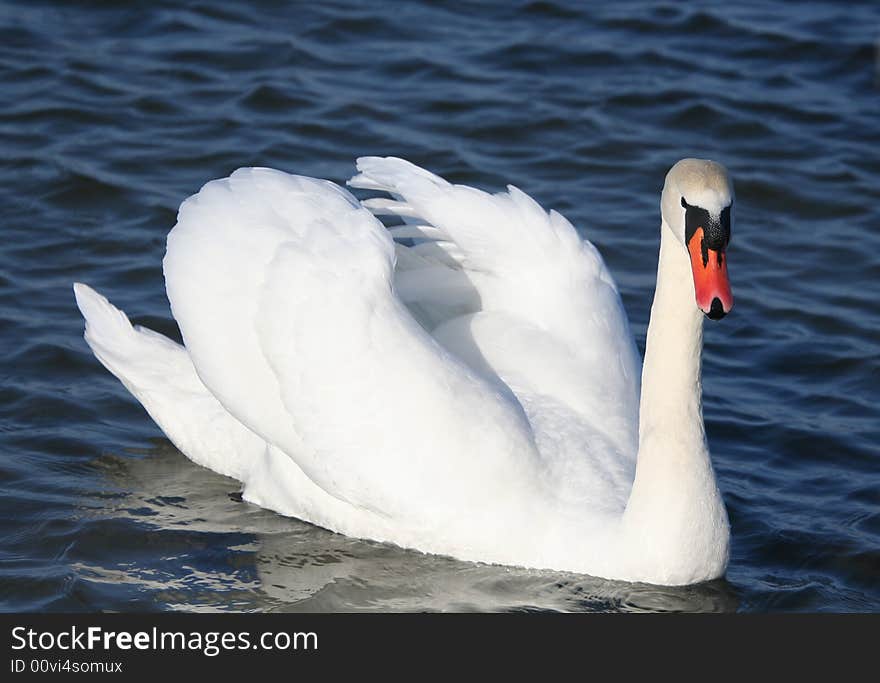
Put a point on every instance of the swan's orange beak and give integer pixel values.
(711, 285)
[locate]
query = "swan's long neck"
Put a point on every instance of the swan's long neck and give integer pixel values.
(671, 405)
(675, 514)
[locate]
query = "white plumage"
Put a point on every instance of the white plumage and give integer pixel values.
(463, 384)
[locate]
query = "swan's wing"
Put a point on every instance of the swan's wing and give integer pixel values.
(505, 258)
(160, 374)
(282, 286)
(519, 258)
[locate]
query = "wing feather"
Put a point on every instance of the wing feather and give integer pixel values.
(523, 276)
(283, 289)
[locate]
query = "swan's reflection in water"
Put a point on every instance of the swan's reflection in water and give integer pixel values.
(207, 550)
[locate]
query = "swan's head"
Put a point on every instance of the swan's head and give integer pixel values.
(697, 204)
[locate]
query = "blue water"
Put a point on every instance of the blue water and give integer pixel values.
(114, 112)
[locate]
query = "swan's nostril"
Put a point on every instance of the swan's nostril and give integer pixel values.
(716, 310)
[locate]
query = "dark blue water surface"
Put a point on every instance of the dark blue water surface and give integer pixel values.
(112, 113)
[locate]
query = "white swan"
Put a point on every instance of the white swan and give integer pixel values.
(464, 384)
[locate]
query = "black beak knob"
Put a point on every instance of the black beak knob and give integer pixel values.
(716, 311)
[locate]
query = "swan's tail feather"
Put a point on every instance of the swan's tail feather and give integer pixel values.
(108, 332)
(129, 352)
(98, 311)
(159, 373)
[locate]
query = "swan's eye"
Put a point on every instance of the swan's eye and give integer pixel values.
(684, 204)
